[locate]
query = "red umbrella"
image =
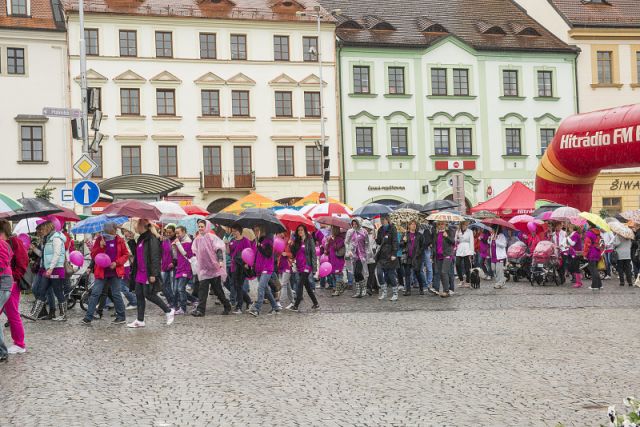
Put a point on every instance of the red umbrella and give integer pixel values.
(334, 222)
(292, 221)
(67, 215)
(195, 210)
(499, 221)
(133, 209)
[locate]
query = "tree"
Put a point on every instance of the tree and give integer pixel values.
(45, 192)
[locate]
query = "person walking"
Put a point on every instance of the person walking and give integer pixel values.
(498, 247)
(19, 264)
(183, 272)
(6, 282)
(427, 259)
(334, 248)
(358, 245)
(622, 248)
(465, 252)
(559, 238)
(145, 270)
(413, 247)
(113, 246)
(209, 252)
(574, 254)
(264, 265)
(443, 259)
(304, 254)
(592, 251)
(238, 268)
(168, 265)
(387, 259)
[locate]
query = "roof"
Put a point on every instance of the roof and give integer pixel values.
(261, 10)
(45, 15)
(148, 184)
(610, 13)
(484, 25)
(516, 200)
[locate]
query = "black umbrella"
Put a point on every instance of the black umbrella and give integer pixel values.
(438, 205)
(223, 218)
(414, 206)
(263, 219)
(546, 208)
(34, 206)
(372, 210)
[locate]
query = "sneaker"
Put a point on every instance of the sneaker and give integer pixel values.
(394, 297)
(179, 312)
(273, 311)
(292, 307)
(278, 306)
(444, 295)
(86, 322)
(171, 316)
(197, 313)
(136, 324)
(131, 307)
(315, 307)
(498, 286)
(607, 277)
(254, 312)
(117, 321)
(451, 293)
(595, 289)
(432, 290)
(14, 349)
(238, 311)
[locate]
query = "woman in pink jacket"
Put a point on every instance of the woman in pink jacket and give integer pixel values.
(6, 282)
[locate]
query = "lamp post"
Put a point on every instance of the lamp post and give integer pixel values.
(84, 122)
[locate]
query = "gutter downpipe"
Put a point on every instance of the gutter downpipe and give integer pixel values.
(343, 187)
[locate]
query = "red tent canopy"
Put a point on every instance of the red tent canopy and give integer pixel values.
(518, 199)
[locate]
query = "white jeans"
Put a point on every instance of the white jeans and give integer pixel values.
(499, 270)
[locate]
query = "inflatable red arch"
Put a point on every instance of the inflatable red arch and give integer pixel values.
(584, 145)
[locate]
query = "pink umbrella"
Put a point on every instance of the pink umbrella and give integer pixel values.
(133, 209)
(67, 215)
(329, 209)
(195, 210)
(521, 221)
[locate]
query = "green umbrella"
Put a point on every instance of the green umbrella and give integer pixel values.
(8, 205)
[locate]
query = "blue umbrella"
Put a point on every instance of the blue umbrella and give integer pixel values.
(95, 224)
(372, 210)
(191, 223)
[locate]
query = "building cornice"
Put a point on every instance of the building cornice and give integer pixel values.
(605, 33)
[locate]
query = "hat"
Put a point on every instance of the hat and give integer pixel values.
(367, 224)
(40, 222)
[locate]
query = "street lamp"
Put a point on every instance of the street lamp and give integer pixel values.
(318, 15)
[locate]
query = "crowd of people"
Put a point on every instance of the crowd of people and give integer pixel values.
(369, 257)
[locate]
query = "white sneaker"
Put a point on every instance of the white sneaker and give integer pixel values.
(171, 316)
(394, 297)
(136, 324)
(14, 349)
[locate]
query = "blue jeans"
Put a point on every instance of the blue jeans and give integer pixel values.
(37, 289)
(180, 292)
(388, 276)
(115, 283)
(168, 278)
(46, 284)
(264, 289)
(5, 293)
(428, 264)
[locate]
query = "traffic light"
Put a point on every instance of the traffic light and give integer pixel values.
(326, 174)
(95, 144)
(76, 131)
(93, 100)
(96, 120)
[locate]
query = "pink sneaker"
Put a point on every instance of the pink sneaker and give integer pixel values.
(577, 285)
(180, 312)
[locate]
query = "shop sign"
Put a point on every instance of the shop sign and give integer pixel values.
(624, 185)
(387, 188)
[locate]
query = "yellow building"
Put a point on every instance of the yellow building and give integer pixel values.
(616, 192)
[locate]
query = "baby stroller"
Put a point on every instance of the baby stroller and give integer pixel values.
(518, 262)
(545, 264)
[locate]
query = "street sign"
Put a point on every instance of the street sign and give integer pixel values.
(322, 198)
(458, 192)
(86, 193)
(66, 195)
(85, 166)
(68, 113)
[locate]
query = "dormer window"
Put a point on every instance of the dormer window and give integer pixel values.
(524, 30)
(426, 25)
(373, 22)
(344, 22)
(19, 7)
(490, 29)
(285, 6)
(595, 2)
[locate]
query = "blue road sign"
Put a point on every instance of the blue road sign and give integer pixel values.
(86, 193)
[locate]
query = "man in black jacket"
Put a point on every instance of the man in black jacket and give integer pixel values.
(413, 251)
(386, 257)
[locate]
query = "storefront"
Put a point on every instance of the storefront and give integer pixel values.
(616, 192)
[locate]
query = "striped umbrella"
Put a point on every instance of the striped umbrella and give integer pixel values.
(96, 224)
(329, 209)
(565, 213)
(8, 205)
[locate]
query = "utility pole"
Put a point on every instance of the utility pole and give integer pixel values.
(84, 122)
(323, 142)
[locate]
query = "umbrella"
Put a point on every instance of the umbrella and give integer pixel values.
(520, 222)
(96, 224)
(545, 216)
(401, 217)
(596, 220)
(195, 210)
(313, 198)
(484, 215)
(223, 218)
(34, 206)
(133, 209)
(499, 221)
(191, 223)
(631, 215)
(293, 220)
(334, 222)
(372, 210)
(329, 209)
(170, 211)
(565, 213)
(438, 205)
(546, 208)
(26, 226)
(578, 220)
(8, 205)
(480, 225)
(414, 206)
(267, 220)
(611, 219)
(66, 215)
(446, 217)
(251, 200)
(622, 230)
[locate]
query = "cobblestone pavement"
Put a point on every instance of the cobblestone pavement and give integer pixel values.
(518, 356)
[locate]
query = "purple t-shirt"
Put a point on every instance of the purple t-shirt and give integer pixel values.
(412, 243)
(301, 260)
(440, 246)
(141, 272)
(111, 250)
(235, 250)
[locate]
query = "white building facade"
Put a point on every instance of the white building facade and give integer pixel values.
(225, 106)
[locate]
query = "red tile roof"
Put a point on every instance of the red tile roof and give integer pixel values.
(613, 13)
(45, 15)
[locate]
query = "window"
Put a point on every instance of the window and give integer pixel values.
(242, 167)
(396, 80)
(97, 157)
(238, 46)
(240, 103)
(546, 136)
(514, 144)
(212, 163)
(364, 141)
(441, 141)
(164, 44)
(312, 104)
(281, 48)
(605, 67)
(545, 84)
(613, 205)
(439, 81)
(460, 82)
(207, 46)
(399, 145)
(463, 142)
(91, 41)
(168, 156)
(15, 60)
(283, 104)
(285, 161)
(310, 49)
(130, 102)
(510, 82)
(314, 157)
(166, 102)
(130, 160)
(19, 7)
(128, 43)
(361, 79)
(210, 102)
(31, 143)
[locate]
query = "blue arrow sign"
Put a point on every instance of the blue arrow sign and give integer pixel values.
(86, 193)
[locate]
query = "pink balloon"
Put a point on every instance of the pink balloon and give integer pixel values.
(76, 258)
(103, 260)
(25, 239)
(56, 222)
(324, 259)
(325, 269)
(279, 245)
(248, 256)
(532, 227)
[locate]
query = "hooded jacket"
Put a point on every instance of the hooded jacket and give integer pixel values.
(151, 250)
(357, 241)
(209, 251)
(311, 258)
(592, 250)
(387, 241)
(417, 253)
(122, 256)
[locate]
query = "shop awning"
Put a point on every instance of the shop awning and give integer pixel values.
(141, 186)
(518, 199)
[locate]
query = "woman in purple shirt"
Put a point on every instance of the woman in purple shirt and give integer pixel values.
(168, 265)
(182, 247)
(573, 255)
(238, 268)
(303, 251)
(334, 248)
(264, 265)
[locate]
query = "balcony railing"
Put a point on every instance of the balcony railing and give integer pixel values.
(227, 180)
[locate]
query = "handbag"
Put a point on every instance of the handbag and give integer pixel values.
(68, 268)
(602, 265)
(614, 257)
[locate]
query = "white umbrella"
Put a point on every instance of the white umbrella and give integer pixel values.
(26, 226)
(170, 211)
